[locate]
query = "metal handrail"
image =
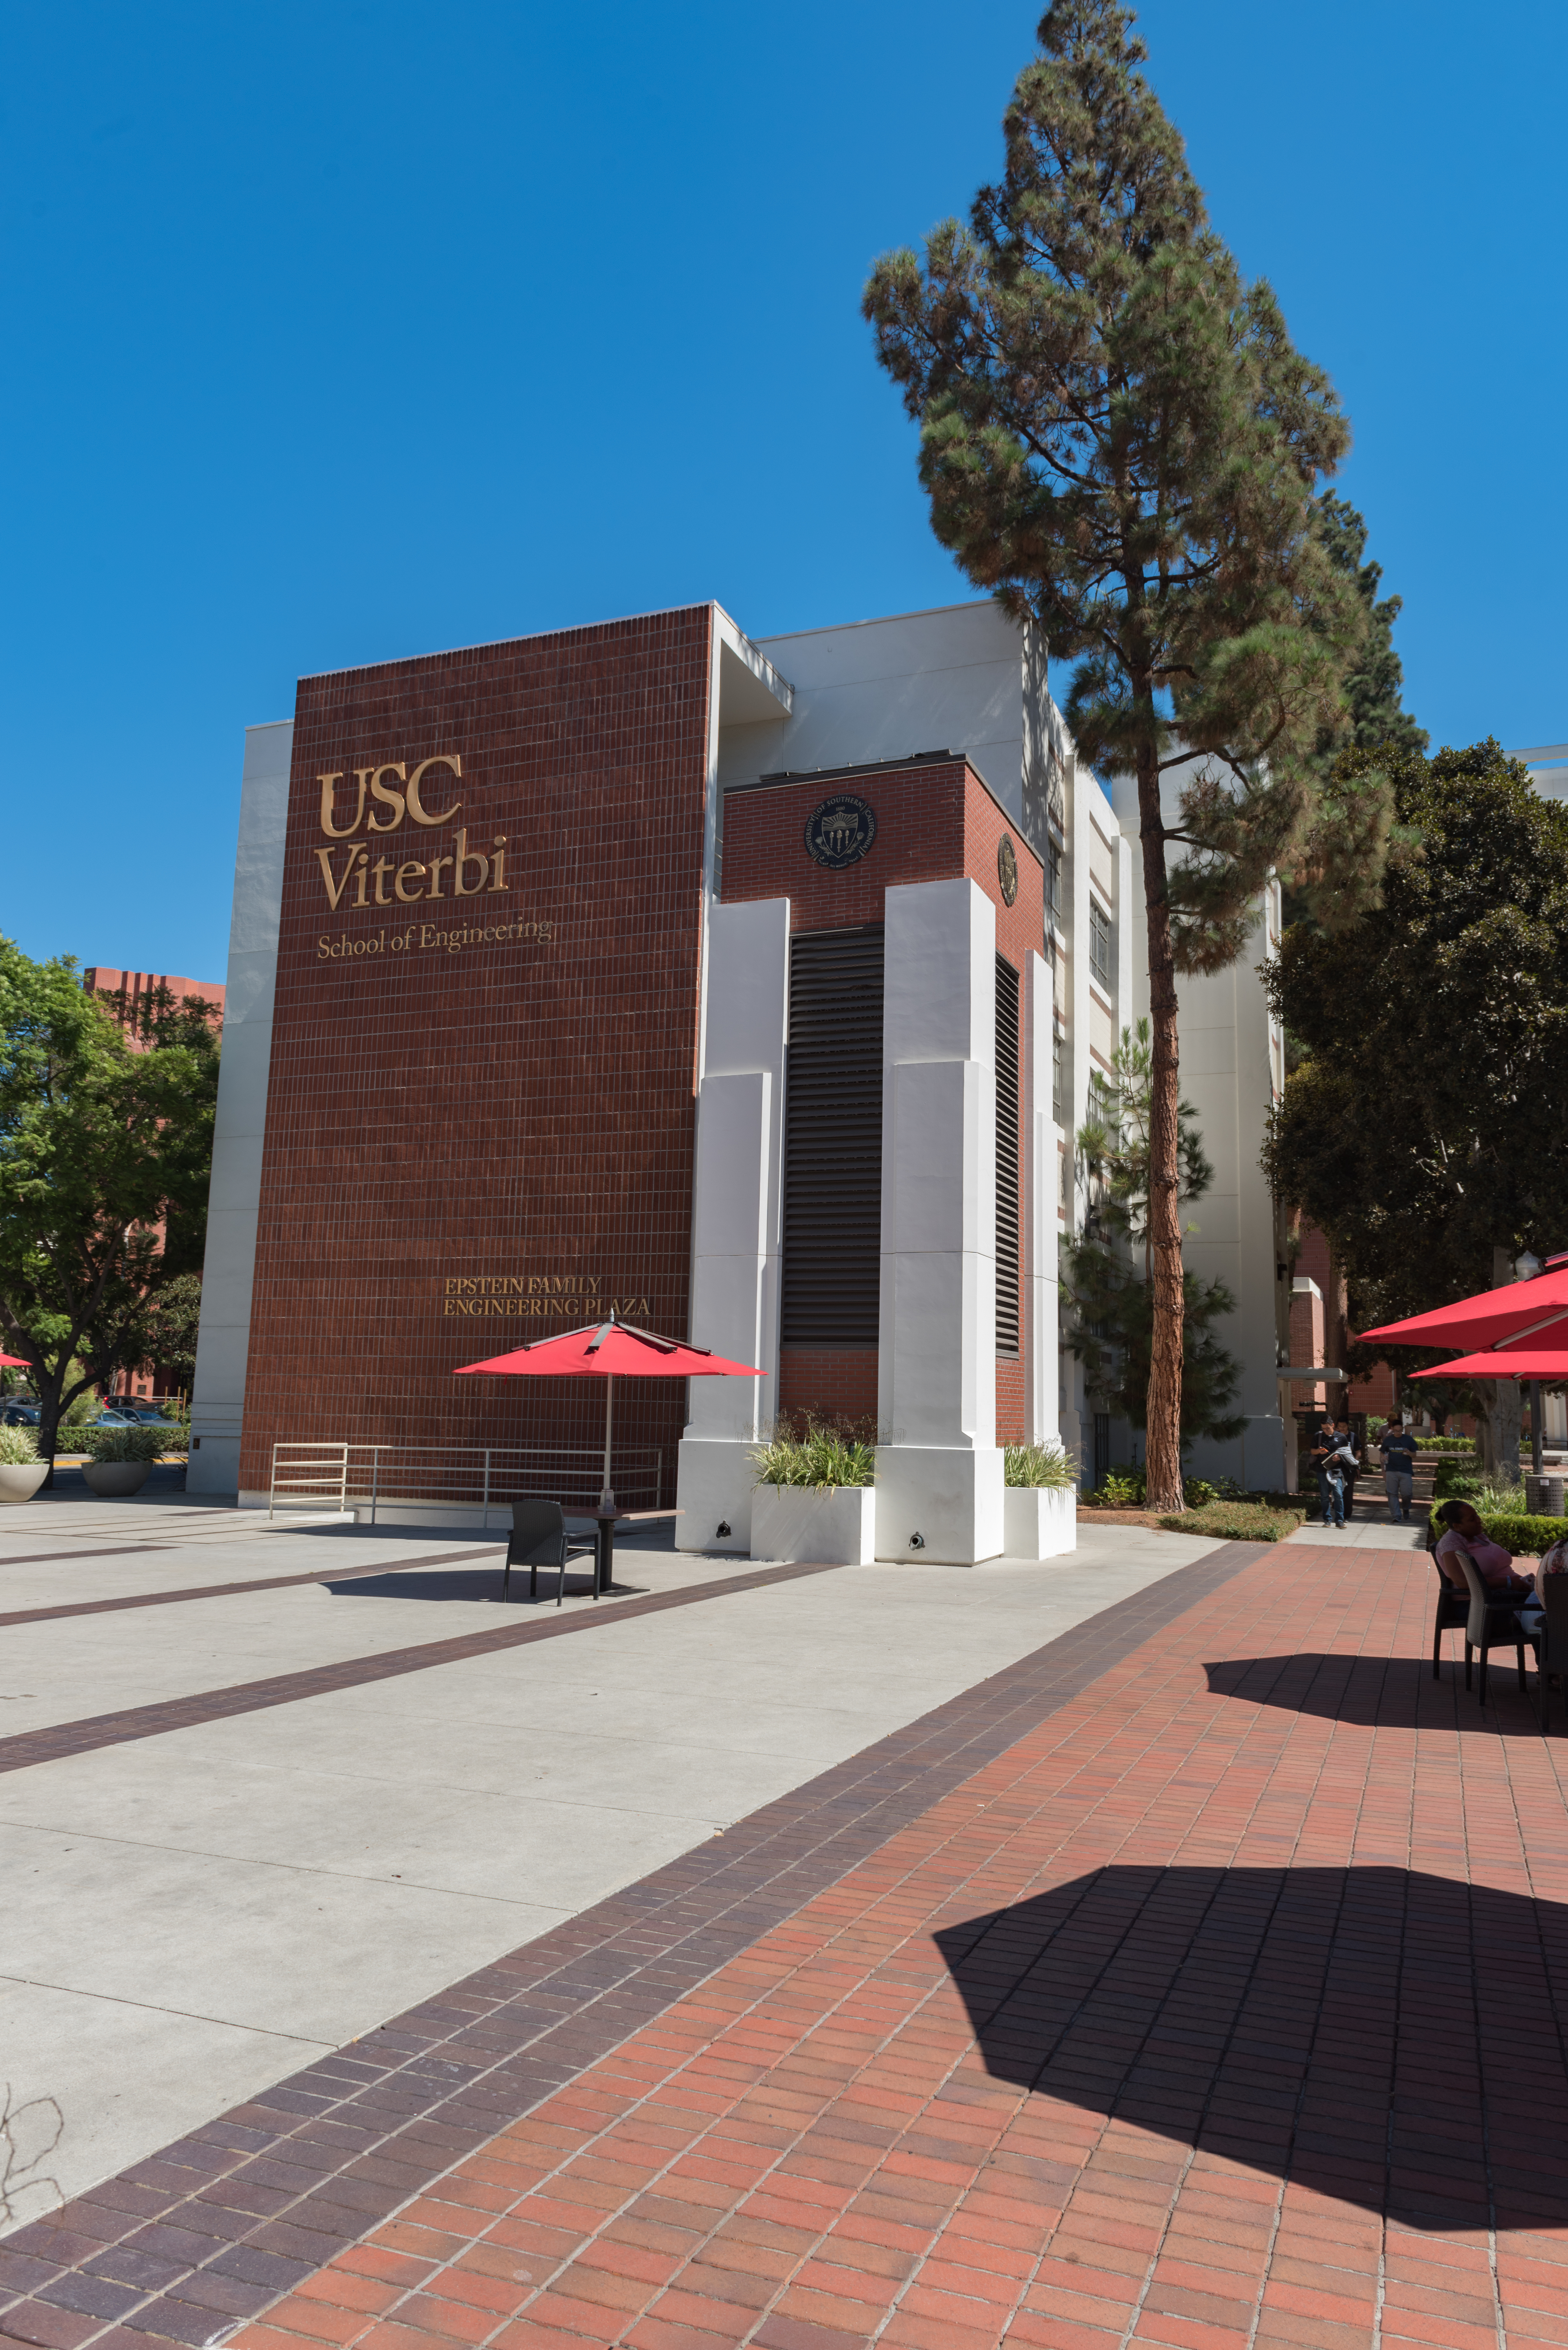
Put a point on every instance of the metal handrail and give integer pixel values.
(465, 1476)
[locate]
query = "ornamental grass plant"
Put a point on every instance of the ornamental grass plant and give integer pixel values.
(18, 1448)
(1038, 1465)
(818, 1453)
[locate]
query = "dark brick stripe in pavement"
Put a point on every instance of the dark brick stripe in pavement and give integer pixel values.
(130, 1723)
(225, 2221)
(228, 1590)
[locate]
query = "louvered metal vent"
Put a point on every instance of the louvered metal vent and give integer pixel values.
(833, 1139)
(1006, 1158)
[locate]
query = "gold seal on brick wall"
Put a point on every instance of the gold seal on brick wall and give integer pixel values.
(1007, 870)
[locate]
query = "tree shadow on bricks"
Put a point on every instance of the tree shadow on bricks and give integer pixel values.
(1385, 1692)
(1380, 2035)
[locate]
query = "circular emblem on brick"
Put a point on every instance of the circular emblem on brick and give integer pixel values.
(840, 831)
(1007, 870)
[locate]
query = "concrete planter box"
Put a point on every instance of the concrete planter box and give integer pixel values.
(836, 1527)
(111, 1481)
(19, 1481)
(1039, 1521)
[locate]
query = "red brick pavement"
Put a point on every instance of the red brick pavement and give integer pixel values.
(1225, 2006)
(1247, 2030)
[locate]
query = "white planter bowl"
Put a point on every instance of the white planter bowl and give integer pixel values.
(1039, 1521)
(19, 1481)
(836, 1527)
(111, 1481)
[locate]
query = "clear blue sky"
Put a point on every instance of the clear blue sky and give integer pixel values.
(340, 332)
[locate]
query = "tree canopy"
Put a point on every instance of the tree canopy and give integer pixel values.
(1118, 437)
(1423, 1128)
(106, 1144)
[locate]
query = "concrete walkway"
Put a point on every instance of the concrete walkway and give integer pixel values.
(267, 1847)
(1198, 1979)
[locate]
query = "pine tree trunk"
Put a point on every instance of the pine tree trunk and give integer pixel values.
(1163, 1442)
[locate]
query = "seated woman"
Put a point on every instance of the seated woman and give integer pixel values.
(1465, 1535)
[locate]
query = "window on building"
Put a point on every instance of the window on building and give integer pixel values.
(1058, 1082)
(1053, 876)
(1099, 941)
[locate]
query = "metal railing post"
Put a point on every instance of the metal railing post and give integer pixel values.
(272, 1489)
(375, 1480)
(484, 1512)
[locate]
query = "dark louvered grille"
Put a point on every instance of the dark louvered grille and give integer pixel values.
(833, 1140)
(1006, 1158)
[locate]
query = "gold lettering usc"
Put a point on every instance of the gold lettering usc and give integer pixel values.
(372, 780)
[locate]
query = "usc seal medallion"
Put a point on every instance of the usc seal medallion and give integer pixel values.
(840, 831)
(1007, 870)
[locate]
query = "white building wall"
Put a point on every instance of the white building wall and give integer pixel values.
(1231, 1055)
(223, 1344)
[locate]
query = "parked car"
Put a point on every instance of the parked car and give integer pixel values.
(20, 1415)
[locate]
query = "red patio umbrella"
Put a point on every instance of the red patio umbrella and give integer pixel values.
(610, 1350)
(1512, 1363)
(1523, 1309)
(13, 1363)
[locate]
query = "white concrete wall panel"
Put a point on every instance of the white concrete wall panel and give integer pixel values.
(938, 1471)
(222, 1345)
(736, 1218)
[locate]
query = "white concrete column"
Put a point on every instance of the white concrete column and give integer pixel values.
(736, 1218)
(1042, 1174)
(938, 1471)
(223, 1344)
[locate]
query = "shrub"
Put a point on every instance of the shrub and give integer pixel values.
(1038, 1464)
(1236, 1522)
(820, 1455)
(18, 1448)
(1456, 1444)
(121, 1443)
(1455, 1482)
(1123, 1490)
(1521, 1536)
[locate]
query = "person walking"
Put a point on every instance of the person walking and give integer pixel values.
(1330, 1474)
(1398, 1449)
(1349, 1462)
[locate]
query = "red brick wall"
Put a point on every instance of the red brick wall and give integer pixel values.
(508, 1110)
(838, 1382)
(934, 823)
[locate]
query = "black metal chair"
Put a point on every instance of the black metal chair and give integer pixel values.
(1551, 1642)
(1452, 1613)
(1492, 1623)
(539, 1538)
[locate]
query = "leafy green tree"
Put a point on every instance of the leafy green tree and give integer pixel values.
(1373, 685)
(1111, 1310)
(174, 1315)
(1119, 439)
(1423, 1129)
(106, 1143)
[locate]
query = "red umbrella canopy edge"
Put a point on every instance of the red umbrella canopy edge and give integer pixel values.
(1520, 1363)
(1523, 1309)
(612, 1350)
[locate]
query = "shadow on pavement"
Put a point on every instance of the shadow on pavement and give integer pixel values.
(470, 1582)
(1385, 1692)
(1386, 2037)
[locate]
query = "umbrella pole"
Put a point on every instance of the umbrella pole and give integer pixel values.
(1535, 1426)
(607, 1498)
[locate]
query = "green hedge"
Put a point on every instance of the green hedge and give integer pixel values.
(1236, 1522)
(1522, 1537)
(1451, 1444)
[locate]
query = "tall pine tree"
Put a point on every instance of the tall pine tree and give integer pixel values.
(1119, 440)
